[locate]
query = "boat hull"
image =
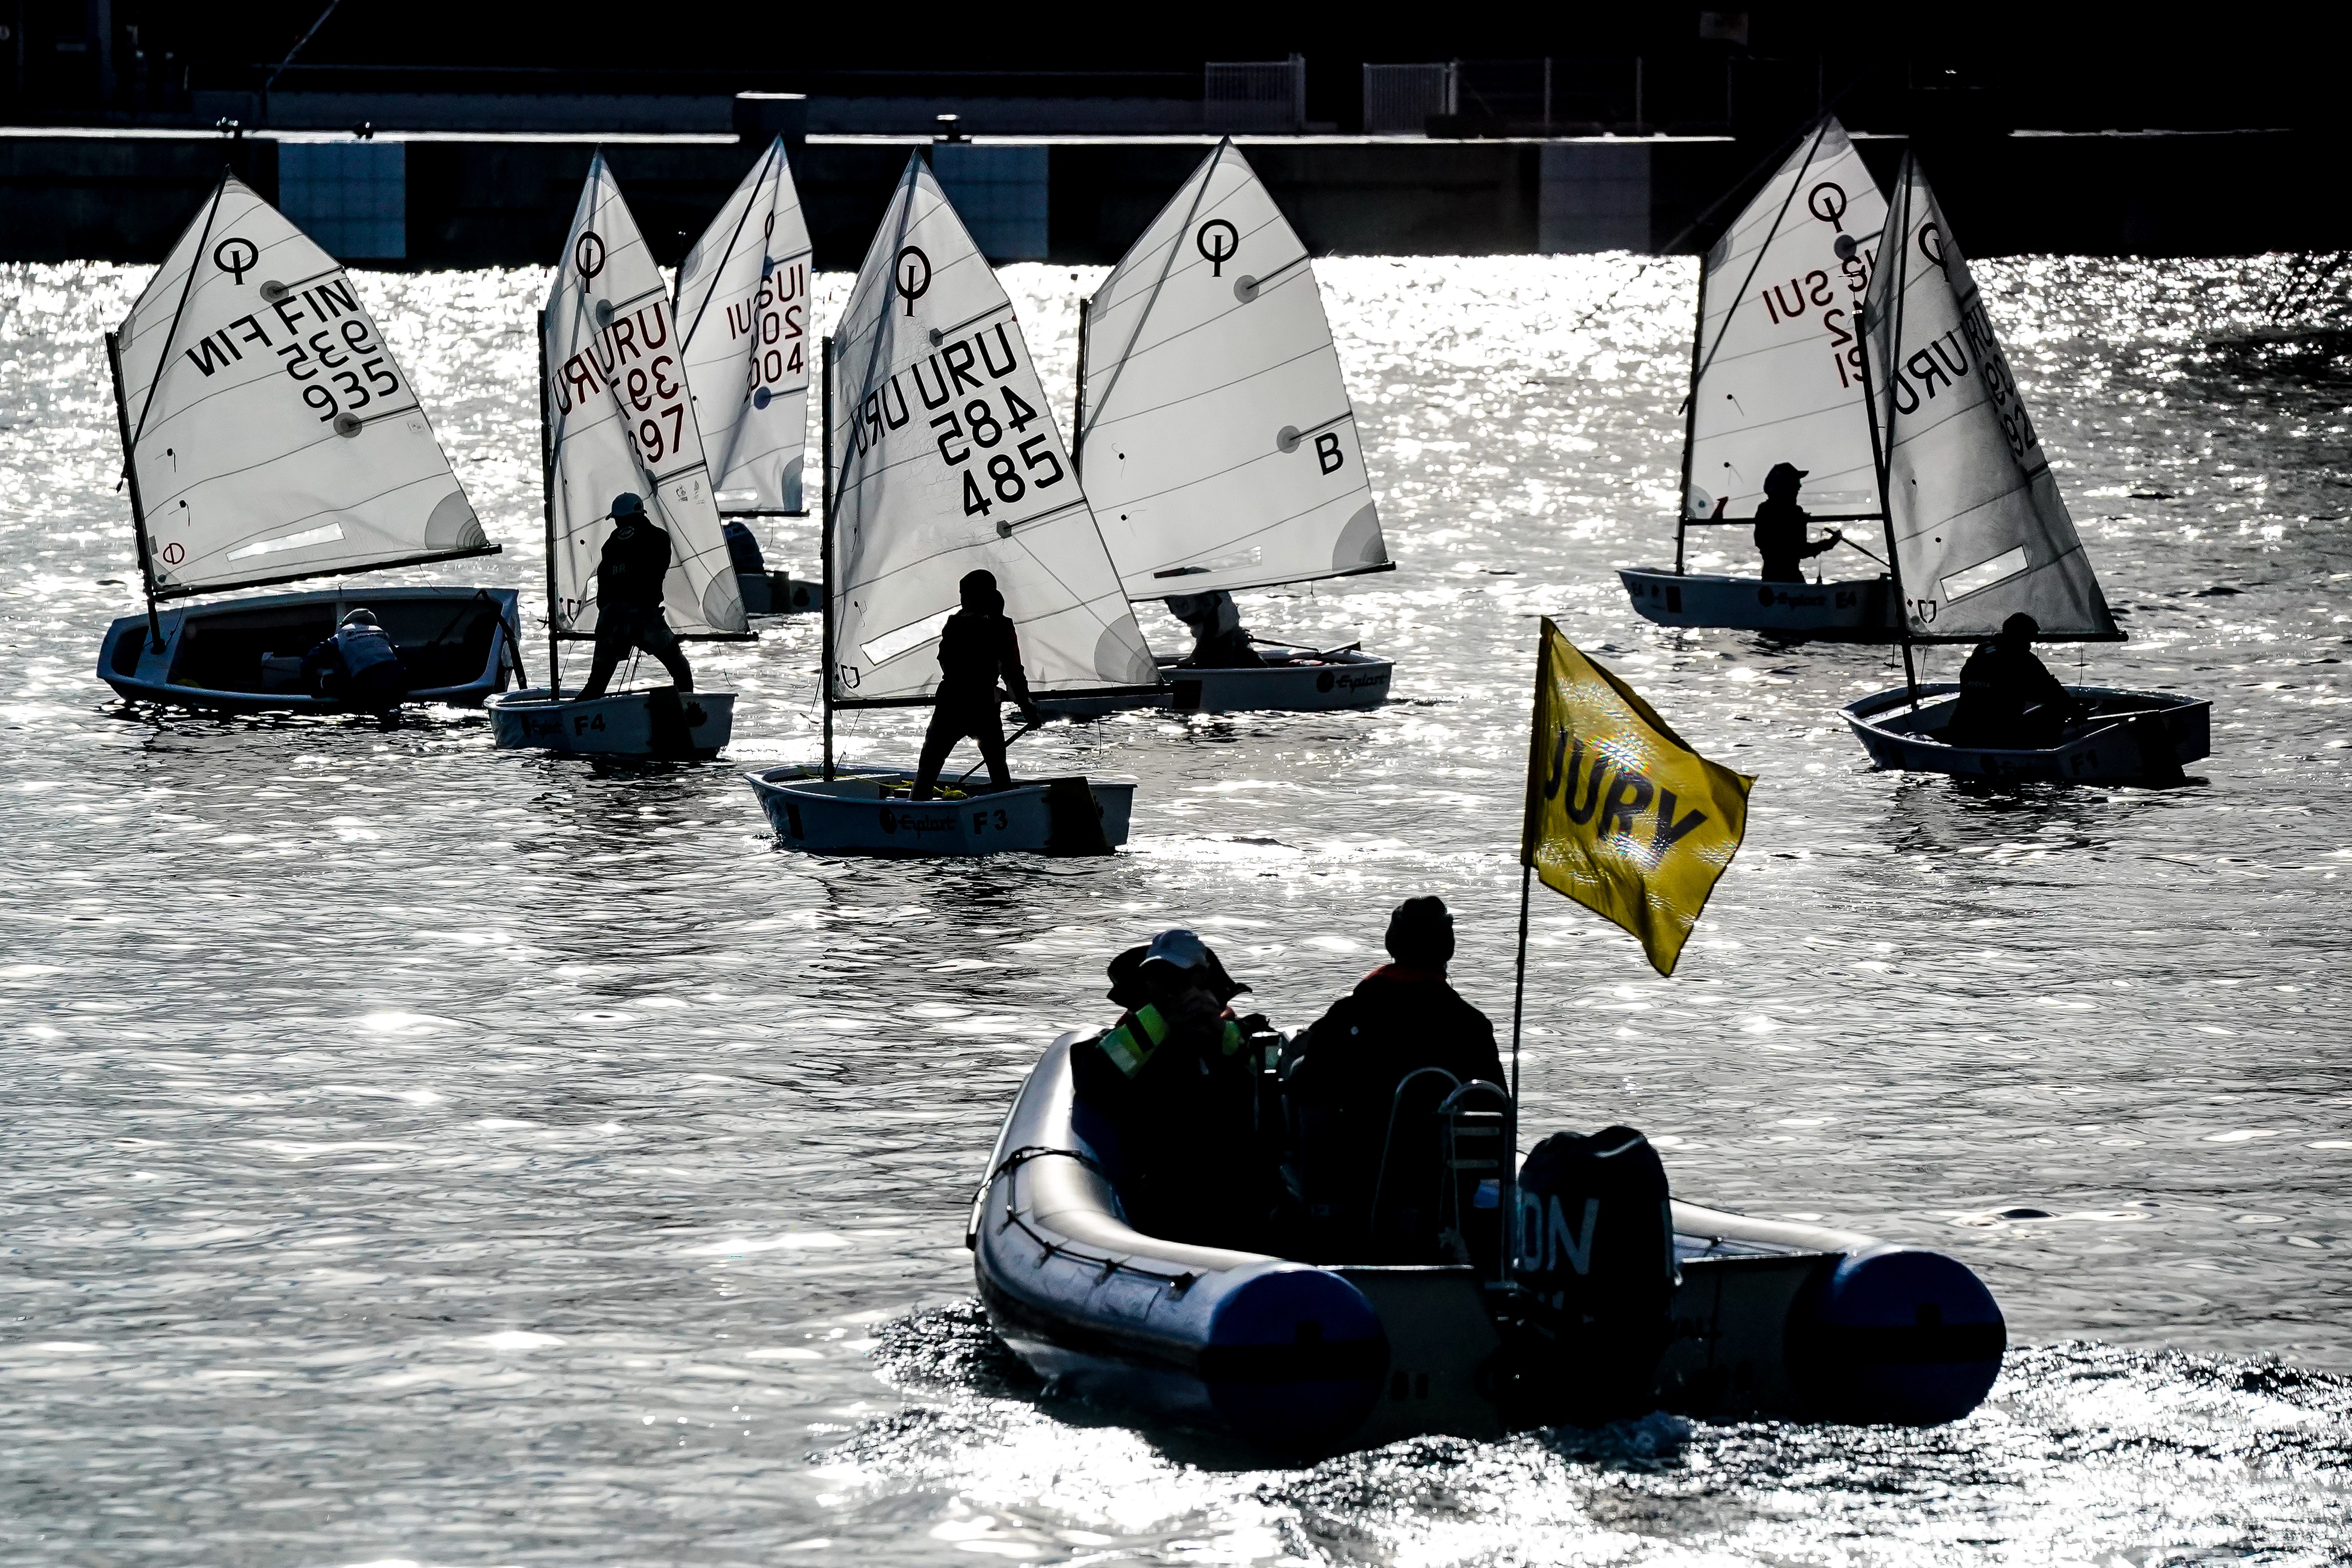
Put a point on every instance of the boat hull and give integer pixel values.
(2162, 732)
(863, 810)
(1856, 610)
(662, 723)
(1292, 681)
(1770, 1320)
(776, 593)
(243, 656)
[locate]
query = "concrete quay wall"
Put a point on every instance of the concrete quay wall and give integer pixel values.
(471, 200)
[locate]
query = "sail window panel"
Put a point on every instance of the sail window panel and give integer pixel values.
(350, 196)
(946, 460)
(2001, 567)
(1218, 436)
(265, 404)
(1779, 374)
(620, 419)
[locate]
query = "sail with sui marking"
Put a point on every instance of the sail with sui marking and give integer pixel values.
(1777, 374)
(946, 460)
(743, 313)
(1216, 437)
(620, 419)
(273, 435)
(1978, 528)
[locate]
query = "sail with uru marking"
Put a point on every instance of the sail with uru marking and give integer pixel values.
(1979, 528)
(743, 312)
(620, 419)
(273, 435)
(946, 460)
(1216, 437)
(1777, 373)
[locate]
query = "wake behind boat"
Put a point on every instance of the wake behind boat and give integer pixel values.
(1776, 389)
(269, 435)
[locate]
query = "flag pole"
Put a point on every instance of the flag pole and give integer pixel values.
(1519, 987)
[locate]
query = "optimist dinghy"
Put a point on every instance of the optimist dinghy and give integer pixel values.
(742, 311)
(269, 435)
(941, 459)
(1769, 1320)
(1776, 377)
(615, 417)
(1216, 439)
(1976, 528)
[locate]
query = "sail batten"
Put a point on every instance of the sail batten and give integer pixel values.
(1979, 530)
(743, 300)
(620, 419)
(939, 430)
(1777, 372)
(1219, 442)
(268, 418)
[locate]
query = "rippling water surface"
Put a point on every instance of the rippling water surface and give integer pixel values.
(421, 1154)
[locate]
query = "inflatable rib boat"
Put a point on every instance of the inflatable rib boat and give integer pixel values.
(1769, 1320)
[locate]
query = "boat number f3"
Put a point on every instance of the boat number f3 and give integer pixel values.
(1217, 241)
(912, 273)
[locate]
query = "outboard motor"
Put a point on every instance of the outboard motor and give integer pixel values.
(1596, 1267)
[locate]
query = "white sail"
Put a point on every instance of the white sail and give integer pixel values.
(946, 460)
(1215, 436)
(1777, 374)
(1979, 528)
(620, 419)
(743, 313)
(273, 436)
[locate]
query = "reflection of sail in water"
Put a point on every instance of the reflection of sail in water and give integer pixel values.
(620, 420)
(1777, 374)
(1979, 530)
(272, 435)
(743, 317)
(945, 460)
(1215, 430)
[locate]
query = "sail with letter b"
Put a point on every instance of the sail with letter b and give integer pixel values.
(272, 435)
(744, 317)
(1979, 530)
(620, 420)
(1777, 374)
(1215, 435)
(945, 460)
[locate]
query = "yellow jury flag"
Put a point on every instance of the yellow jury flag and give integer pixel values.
(1622, 816)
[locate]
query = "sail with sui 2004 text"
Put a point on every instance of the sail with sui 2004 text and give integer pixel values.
(619, 419)
(269, 433)
(743, 316)
(944, 458)
(1974, 517)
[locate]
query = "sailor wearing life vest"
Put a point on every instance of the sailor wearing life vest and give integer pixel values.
(1177, 1081)
(359, 665)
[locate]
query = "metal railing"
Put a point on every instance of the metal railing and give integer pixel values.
(1400, 101)
(1267, 96)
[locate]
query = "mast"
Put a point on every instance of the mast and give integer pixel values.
(131, 476)
(1078, 414)
(824, 569)
(547, 514)
(1899, 226)
(1690, 420)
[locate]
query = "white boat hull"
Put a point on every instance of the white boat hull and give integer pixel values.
(1855, 610)
(2147, 739)
(863, 810)
(661, 722)
(1292, 681)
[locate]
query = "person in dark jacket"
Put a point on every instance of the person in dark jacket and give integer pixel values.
(1177, 1081)
(359, 665)
(2009, 699)
(743, 548)
(629, 578)
(1781, 527)
(1219, 641)
(977, 648)
(1402, 1017)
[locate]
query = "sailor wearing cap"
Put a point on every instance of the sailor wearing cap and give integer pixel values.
(629, 578)
(1781, 527)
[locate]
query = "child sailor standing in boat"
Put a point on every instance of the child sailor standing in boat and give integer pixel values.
(629, 577)
(1781, 527)
(977, 646)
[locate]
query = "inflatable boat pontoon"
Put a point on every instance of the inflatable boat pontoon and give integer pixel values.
(1769, 1319)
